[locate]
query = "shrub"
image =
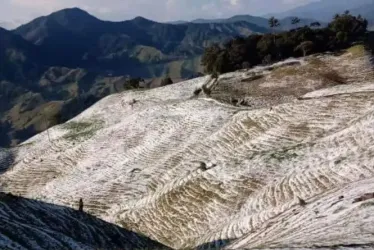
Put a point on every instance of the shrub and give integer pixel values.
(357, 50)
(306, 47)
(166, 81)
(267, 59)
(206, 90)
(134, 83)
(246, 65)
(197, 92)
(215, 75)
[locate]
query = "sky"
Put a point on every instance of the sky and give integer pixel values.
(16, 12)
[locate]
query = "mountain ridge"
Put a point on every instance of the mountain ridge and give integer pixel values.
(324, 10)
(260, 21)
(91, 42)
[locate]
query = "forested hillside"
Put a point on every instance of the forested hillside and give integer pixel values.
(240, 53)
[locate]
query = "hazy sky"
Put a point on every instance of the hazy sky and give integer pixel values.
(18, 11)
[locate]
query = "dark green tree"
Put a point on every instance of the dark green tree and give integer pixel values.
(237, 52)
(209, 58)
(342, 36)
(246, 65)
(348, 28)
(315, 24)
(134, 83)
(274, 23)
(295, 21)
(222, 63)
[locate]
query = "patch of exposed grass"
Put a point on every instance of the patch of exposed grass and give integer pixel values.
(367, 204)
(339, 210)
(79, 136)
(333, 76)
(25, 144)
(316, 62)
(81, 130)
(283, 155)
(252, 78)
(315, 69)
(285, 71)
(77, 126)
(314, 66)
(357, 51)
(249, 123)
(299, 128)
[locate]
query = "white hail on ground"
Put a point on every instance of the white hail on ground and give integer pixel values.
(140, 166)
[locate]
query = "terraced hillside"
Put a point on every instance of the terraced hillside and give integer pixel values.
(274, 157)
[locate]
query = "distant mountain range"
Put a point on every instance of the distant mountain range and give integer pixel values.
(260, 21)
(77, 39)
(324, 10)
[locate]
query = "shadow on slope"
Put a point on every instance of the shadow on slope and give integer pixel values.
(4, 136)
(6, 160)
(31, 224)
(370, 44)
(217, 244)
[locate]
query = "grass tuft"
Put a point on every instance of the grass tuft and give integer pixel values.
(357, 51)
(285, 71)
(316, 63)
(77, 126)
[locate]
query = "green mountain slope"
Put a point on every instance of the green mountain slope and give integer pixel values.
(19, 59)
(35, 95)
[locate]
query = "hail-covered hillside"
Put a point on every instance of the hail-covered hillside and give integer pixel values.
(274, 157)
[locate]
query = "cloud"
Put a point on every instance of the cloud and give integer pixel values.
(35, 3)
(234, 2)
